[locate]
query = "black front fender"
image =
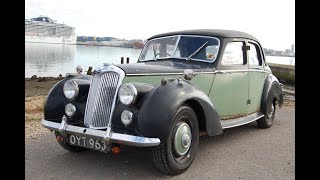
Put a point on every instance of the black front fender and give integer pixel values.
(56, 101)
(159, 106)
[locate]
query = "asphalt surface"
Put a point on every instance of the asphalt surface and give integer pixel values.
(244, 152)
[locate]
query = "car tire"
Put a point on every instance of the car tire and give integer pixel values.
(69, 147)
(175, 154)
(267, 120)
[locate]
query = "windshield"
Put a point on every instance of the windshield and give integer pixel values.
(199, 48)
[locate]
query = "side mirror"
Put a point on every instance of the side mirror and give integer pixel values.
(188, 74)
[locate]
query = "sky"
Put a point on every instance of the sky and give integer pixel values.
(271, 21)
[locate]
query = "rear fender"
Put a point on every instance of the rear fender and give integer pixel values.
(272, 88)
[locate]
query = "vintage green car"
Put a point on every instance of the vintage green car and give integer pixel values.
(184, 84)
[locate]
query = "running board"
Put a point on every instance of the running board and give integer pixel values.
(241, 120)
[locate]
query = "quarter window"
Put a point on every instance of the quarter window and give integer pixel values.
(233, 54)
(253, 56)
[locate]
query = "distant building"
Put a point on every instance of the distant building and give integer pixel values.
(115, 42)
(136, 40)
(279, 53)
(94, 38)
(292, 48)
(288, 52)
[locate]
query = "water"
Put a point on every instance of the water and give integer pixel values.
(281, 60)
(54, 59)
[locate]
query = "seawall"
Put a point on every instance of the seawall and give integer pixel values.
(285, 73)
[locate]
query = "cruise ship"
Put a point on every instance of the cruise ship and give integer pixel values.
(45, 30)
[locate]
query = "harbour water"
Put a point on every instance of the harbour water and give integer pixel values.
(45, 60)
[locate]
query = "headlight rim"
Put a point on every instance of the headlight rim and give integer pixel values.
(133, 89)
(76, 88)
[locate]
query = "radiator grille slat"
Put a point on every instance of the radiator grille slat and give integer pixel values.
(101, 95)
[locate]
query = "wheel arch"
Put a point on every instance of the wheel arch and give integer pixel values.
(272, 89)
(208, 118)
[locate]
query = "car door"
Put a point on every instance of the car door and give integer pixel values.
(257, 75)
(229, 91)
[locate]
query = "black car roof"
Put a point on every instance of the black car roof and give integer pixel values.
(209, 32)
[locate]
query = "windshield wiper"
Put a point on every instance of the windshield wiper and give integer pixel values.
(195, 52)
(154, 53)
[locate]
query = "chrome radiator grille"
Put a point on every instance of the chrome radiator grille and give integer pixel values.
(102, 93)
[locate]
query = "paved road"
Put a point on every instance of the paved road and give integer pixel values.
(244, 152)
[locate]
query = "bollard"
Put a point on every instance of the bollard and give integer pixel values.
(89, 72)
(122, 60)
(127, 60)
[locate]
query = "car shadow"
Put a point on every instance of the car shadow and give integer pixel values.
(137, 163)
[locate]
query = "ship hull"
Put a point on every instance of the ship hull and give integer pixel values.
(51, 40)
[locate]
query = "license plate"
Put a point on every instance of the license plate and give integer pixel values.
(88, 143)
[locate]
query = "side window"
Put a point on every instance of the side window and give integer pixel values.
(233, 54)
(211, 52)
(253, 55)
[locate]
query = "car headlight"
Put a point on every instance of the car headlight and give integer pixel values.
(70, 109)
(70, 89)
(127, 94)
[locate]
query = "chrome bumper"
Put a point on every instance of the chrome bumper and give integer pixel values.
(110, 137)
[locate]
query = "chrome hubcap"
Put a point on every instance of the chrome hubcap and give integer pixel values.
(186, 140)
(182, 139)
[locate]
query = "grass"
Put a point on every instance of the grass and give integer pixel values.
(34, 108)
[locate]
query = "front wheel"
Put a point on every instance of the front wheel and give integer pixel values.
(174, 155)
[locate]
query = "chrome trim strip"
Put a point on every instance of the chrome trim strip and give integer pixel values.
(110, 136)
(213, 72)
(243, 70)
(256, 70)
(241, 120)
(155, 74)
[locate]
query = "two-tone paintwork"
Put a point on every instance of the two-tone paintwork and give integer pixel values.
(221, 96)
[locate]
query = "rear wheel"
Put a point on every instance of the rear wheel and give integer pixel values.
(67, 146)
(268, 119)
(175, 154)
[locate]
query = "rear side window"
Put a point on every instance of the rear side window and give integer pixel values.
(254, 56)
(233, 54)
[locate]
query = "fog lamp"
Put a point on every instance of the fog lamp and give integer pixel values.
(70, 110)
(126, 117)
